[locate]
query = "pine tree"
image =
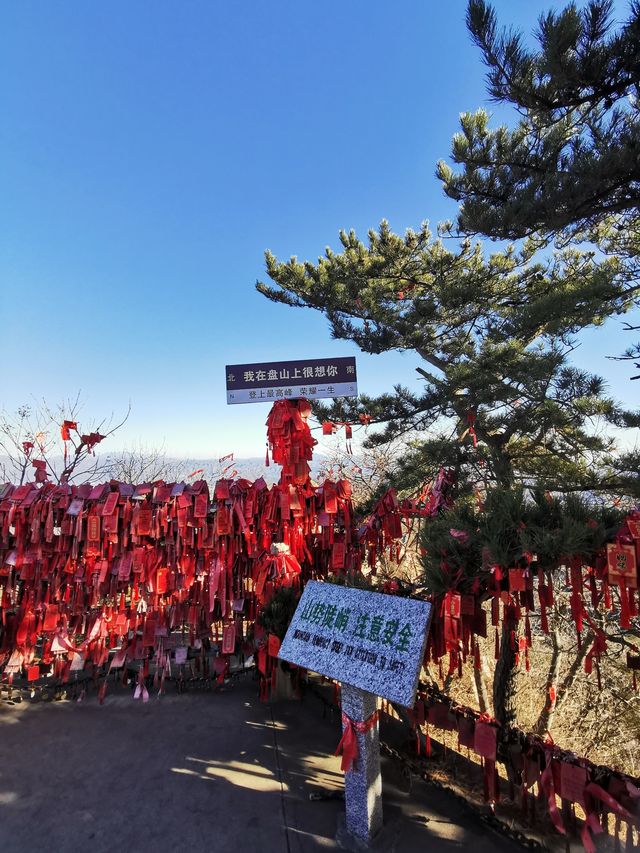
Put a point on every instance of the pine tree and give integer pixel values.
(493, 335)
(510, 528)
(569, 170)
(572, 162)
(500, 400)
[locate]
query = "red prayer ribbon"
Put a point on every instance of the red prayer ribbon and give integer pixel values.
(349, 741)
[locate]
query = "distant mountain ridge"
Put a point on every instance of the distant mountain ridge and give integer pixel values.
(168, 468)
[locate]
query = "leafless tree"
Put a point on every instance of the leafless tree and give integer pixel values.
(367, 469)
(45, 442)
(143, 464)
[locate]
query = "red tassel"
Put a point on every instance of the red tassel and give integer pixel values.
(544, 622)
(264, 690)
(625, 620)
(349, 741)
(348, 746)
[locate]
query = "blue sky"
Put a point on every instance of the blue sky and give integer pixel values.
(151, 151)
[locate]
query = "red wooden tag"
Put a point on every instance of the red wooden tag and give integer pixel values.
(145, 519)
(149, 634)
(273, 646)
(485, 742)
(93, 528)
(51, 618)
(76, 507)
(438, 715)
(33, 672)
(229, 640)
(621, 562)
(201, 505)
(517, 580)
(162, 581)
(451, 629)
(337, 555)
(221, 491)
(634, 528)
(466, 732)
(110, 522)
(479, 623)
(223, 521)
(453, 604)
(467, 605)
(110, 504)
(330, 497)
(573, 781)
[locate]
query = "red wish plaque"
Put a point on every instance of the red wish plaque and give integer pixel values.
(337, 555)
(467, 605)
(453, 604)
(110, 504)
(485, 741)
(145, 519)
(93, 528)
(51, 617)
(201, 505)
(466, 732)
(573, 781)
(273, 646)
(634, 527)
(438, 715)
(229, 640)
(518, 580)
(330, 497)
(162, 582)
(621, 562)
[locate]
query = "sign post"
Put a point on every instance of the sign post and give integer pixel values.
(363, 782)
(374, 644)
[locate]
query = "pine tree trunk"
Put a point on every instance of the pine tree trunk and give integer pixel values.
(545, 718)
(504, 681)
(565, 686)
(482, 697)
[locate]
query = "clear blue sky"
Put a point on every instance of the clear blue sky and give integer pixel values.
(151, 151)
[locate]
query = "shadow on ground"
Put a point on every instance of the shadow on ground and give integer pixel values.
(199, 772)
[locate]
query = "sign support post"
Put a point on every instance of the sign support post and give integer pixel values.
(363, 782)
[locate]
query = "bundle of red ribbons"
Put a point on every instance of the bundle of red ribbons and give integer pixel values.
(115, 574)
(610, 579)
(537, 765)
(118, 574)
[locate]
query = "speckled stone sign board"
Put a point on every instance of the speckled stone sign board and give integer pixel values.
(365, 639)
